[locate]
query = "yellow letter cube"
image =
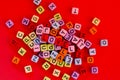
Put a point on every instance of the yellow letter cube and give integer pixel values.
(31, 44)
(46, 78)
(28, 69)
(21, 51)
(20, 35)
(56, 72)
(50, 47)
(26, 40)
(57, 17)
(66, 77)
(34, 18)
(40, 9)
(96, 21)
(44, 47)
(32, 35)
(60, 64)
(46, 66)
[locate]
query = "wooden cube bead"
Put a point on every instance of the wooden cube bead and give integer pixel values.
(37, 2)
(75, 75)
(9, 23)
(28, 69)
(32, 35)
(92, 51)
(35, 59)
(26, 40)
(22, 51)
(15, 60)
(57, 17)
(53, 54)
(63, 51)
(60, 64)
(25, 21)
(59, 58)
(46, 66)
(51, 47)
(65, 77)
(90, 59)
(71, 49)
(53, 61)
(93, 30)
(69, 25)
(104, 42)
(96, 21)
(40, 9)
(78, 61)
(94, 70)
(20, 35)
(53, 32)
(36, 48)
(31, 45)
(77, 26)
(88, 44)
(56, 73)
(35, 19)
(63, 32)
(46, 54)
(44, 47)
(52, 6)
(75, 39)
(75, 11)
(46, 78)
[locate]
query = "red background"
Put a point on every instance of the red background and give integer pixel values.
(107, 59)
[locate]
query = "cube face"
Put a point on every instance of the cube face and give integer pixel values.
(26, 40)
(51, 47)
(53, 32)
(96, 21)
(36, 48)
(15, 60)
(90, 60)
(68, 37)
(92, 51)
(35, 19)
(32, 35)
(20, 35)
(39, 30)
(75, 11)
(9, 23)
(53, 61)
(25, 21)
(43, 47)
(52, 20)
(56, 25)
(75, 75)
(54, 54)
(67, 65)
(63, 51)
(68, 60)
(46, 30)
(77, 26)
(46, 66)
(56, 73)
(104, 42)
(69, 25)
(46, 78)
(22, 51)
(51, 39)
(36, 41)
(37, 2)
(60, 64)
(75, 39)
(93, 30)
(28, 69)
(57, 17)
(46, 54)
(81, 45)
(52, 6)
(63, 32)
(57, 48)
(65, 77)
(59, 58)
(71, 49)
(31, 45)
(88, 44)
(61, 22)
(35, 59)
(78, 61)
(72, 31)
(40, 9)
(94, 70)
